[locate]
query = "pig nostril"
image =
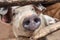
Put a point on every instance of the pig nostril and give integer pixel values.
(36, 20)
(27, 22)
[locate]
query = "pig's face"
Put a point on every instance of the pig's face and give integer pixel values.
(27, 18)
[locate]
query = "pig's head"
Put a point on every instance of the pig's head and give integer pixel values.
(26, 20)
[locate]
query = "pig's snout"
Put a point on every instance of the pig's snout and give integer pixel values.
(31, 23)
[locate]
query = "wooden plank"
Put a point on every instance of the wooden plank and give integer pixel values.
(5, 31)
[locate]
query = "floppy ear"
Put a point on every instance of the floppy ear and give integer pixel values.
(39, 9)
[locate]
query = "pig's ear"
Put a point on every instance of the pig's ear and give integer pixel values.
(39, 9)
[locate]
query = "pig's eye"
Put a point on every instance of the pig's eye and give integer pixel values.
(26, 22)
(32, 9)
(36, 20)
